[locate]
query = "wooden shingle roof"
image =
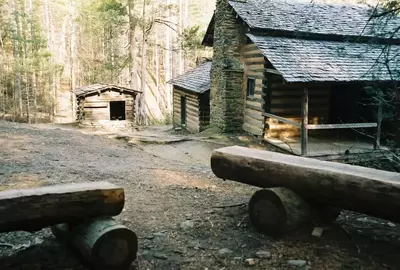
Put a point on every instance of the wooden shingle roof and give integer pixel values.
(314, 18)
(300, 60)
(196, 80)
(98, 87)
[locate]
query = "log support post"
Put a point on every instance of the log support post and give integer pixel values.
(304, 123)
(360, 189)
(275, 211)
(101, 242)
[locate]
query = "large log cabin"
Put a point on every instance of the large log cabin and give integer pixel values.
(295, 73)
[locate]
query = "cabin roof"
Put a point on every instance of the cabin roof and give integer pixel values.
(93, 88)
(315, 18)
(196, 80)
(300, 60)
(310, 19)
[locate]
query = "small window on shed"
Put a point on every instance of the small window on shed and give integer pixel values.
(251, 85)
(117, 110)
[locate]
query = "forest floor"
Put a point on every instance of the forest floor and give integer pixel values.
(174, 203)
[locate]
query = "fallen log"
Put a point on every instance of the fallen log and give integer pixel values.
(101, 242)
(275, 211)
(356, 188)
(34, 209)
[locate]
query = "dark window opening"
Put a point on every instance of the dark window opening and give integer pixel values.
(183, 110)
(251, 85)
(117, 110)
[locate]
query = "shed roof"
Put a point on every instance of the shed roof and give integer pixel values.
(196, 80)
(314, 18)
(300, 60)
(93, 88)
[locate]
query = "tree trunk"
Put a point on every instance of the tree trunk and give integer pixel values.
(157, 68)
(132, 46)
(72, 54)
(180, 27)
(102, 242)
(34, 94)
(51, 100)
(185, 25)
(48, 25)
(4, 79)
(142, 102)
(34, 209)
(26, 65)
(73, 59)
(167, 64)
(360, 189)
(133, 53)
(53, 97)
(16, 53)
(33, 49)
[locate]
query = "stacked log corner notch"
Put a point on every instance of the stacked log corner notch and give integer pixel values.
(226, 97)
(360, 189)
(34, 209)
(254, 69)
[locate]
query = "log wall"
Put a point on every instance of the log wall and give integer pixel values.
(192, 110)
(94, 109)
(253, 61)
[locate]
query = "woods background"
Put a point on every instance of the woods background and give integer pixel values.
(49, 47)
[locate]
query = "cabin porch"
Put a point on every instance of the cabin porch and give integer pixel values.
(330, 148)
(349, 131)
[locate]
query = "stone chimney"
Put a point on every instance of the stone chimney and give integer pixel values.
(227, 96)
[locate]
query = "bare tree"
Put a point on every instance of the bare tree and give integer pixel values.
(142, 103)
(16, 53)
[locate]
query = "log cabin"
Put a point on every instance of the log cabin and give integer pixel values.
(103, 105)
(296, 74)
(191, 98)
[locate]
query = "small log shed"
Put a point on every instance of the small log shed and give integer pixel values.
(104, 105)
(191, 98)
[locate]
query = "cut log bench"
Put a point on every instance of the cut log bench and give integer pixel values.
(79, 215)
(296, 189)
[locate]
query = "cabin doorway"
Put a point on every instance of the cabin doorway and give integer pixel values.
(117, 110)
(183, 110)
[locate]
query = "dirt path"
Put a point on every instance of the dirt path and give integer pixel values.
(167, 185)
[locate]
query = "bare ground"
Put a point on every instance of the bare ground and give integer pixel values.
(167, 184)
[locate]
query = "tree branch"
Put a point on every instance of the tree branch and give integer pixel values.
(385, 13)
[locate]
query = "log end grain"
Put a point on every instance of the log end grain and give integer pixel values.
(277, 210)
(101, 242)
(116, 249)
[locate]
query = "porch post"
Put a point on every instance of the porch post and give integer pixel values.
(377, 142)
(304, 123)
